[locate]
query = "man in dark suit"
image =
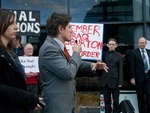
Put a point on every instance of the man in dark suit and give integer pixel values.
(140, 74)
(58, 69)
(111, 81)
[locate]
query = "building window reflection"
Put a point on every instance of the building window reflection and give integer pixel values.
(46, 7)
(125, 20)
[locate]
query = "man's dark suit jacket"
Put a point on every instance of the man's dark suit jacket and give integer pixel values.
(137, 65)
(114, 77)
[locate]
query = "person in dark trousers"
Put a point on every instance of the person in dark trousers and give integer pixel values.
(31, 77)
(140, 74)
(111, 81)
(58, 69)
(126, 67)
(14, 97)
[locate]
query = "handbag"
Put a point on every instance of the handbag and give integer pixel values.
(126, 106)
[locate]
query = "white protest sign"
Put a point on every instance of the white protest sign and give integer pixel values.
(148, 45)
(90, 37)
(30, 63)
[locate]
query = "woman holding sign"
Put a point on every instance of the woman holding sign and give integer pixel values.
(14, 97)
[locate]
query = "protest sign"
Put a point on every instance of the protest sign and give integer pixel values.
(28, 22)
(90, 37)
(148, 44)
(30, 64)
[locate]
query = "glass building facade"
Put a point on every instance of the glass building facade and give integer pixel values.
(124, 20)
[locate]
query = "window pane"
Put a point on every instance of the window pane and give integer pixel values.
(147, 3)
(125, 34)
(148, 31)
(46, 7)
(33, 39)
(96, 11)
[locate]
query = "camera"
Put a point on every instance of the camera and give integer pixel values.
(42, 104)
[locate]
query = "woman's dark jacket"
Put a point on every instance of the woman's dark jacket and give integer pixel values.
(13, 95)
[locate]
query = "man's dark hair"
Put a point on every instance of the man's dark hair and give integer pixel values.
(55, 21)
(112, 39)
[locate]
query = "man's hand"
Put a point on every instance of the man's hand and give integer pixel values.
(119, 85)
(99, 65)
(38, 107)
(77, 48)
(31, 74)
(132, 81)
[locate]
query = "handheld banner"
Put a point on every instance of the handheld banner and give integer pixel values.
(90, 37)
(30, 64)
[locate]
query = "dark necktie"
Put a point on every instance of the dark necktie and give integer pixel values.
(66, 53)
(145, 61)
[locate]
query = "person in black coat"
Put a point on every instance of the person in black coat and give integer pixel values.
(18, 49)
(13, 94)
(111, 81)
(140, 75)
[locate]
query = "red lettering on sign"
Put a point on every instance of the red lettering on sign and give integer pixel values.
(96, 30)
(90, 54)
(96, 45)
(86, 29)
